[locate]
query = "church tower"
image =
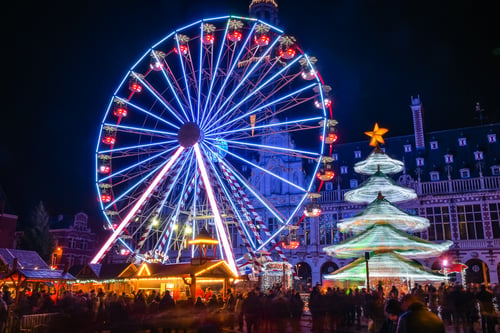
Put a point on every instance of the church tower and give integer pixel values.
(265, 10)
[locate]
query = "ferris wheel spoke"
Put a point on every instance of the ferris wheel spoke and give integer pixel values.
(141, 130)
(244, 79)
(184, 74)
(128, 148)
(136, 207)
(254, 111)
(134, 166)
(135, 106)
(159, 98)
(214, 73)
(229, 75)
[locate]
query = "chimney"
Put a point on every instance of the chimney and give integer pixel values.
(418, 122)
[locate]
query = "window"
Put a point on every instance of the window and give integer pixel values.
(382, 149)
(272, 224)
(495, 219)
(492, 138)
(357, 154)
(434, 175)
(305, 231)
(495, 170)
(343, 169)
(420, 161)
(434, 145)
(353, 183)
(448, 158)
(462, 142)
(470, 222)
(244, 168)
(328, 186)
(335, 156)
(327, 228)
(439, 218)
(407, 148)
(465, 173)
(478, 155)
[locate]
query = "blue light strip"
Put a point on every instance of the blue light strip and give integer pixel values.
(255, 110)
(229, 75)
(245, 78)
(138, 146)
(138, 129)
(158, 97)
(148, 113)
(214, 73)
(181, 56)
(295, 122)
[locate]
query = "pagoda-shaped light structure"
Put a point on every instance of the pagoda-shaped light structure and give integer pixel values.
(382, 227)
(382, 210)
(204, 242)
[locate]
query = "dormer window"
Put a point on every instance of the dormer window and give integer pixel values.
(353, 183)
(335, 156)
(343, 170)
(462, 142)
(495, 170)
(434, 175)
(407, 148)
(492, 138)
(465, 173)
(357, 154)
(434, 145)
(448, 158)
(420, 161)
(478, 155)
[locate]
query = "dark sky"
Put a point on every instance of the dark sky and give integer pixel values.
(68, 58)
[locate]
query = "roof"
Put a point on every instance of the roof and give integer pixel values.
(434, 160)
(103, 271)
(43, 274)
(25, 259)
(212, 268)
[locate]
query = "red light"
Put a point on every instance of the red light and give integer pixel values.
(105, 197)
(104, 169)
(291, 245)
(108, 139)
(332, 137)
(120, 112)
(208, 39)
(235, 36)
(288, 53)
(262, 40)
(183, 48)
(325, 175)
(136, 87)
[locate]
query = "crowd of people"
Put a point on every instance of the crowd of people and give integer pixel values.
(421, 309)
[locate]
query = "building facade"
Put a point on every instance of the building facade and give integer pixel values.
(456, 174)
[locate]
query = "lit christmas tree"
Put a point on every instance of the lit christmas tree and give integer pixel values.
(382, 245)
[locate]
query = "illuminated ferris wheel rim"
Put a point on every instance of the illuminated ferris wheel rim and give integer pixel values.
(189, 128)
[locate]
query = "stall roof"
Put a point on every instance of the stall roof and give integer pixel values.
(212, 268)
(103, 271)
(25, 259)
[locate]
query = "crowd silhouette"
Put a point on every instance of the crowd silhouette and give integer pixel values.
(471, 309)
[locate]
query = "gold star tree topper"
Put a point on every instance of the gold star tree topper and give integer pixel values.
(376, 135)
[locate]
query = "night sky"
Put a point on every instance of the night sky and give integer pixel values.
(68, 57)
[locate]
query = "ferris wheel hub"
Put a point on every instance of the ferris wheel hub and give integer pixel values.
(189, 134)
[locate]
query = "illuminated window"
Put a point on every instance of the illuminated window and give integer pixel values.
(464, 173)
(462, 142)
(327, 228)
(357, 154)
(478, 155)
(470, 222)
(492, 138)
(328, 186)
(448, 158)
(420, 161)
(495, 219)
(353, 183)
(407, 148)
(434, 145)
(343, 169)
(439, 218)
(434, 175)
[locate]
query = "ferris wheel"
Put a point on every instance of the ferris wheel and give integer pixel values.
(186, 126)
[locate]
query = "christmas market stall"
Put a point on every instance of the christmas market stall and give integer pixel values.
(25, 271)
(107, 277)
